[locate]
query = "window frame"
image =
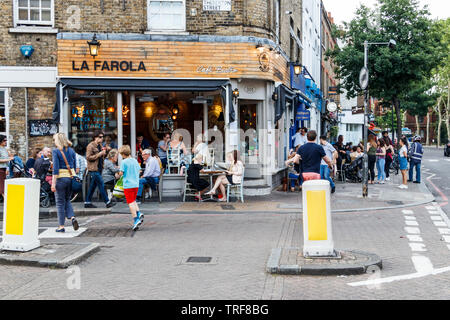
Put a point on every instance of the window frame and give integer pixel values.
(6, 96)
(29, 23)
(166, 30)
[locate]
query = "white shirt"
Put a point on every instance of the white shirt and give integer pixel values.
(202, 149)
(152, 168)
(299, 140)
(329, 150)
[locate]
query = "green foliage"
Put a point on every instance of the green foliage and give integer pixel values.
(392, 72)
(385, 121)
(334, 132)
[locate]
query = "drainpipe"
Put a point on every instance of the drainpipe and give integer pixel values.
(26, 123)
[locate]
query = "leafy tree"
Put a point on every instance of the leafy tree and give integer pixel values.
(392, 72)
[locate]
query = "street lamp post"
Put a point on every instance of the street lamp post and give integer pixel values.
(364, 82)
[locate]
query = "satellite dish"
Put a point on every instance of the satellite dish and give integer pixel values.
(364, 78)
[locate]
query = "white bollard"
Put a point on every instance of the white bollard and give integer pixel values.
(21, 215)
(317, 228)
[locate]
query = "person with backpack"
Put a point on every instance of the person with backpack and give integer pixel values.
(415, 155)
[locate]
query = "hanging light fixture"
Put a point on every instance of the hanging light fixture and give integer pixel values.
(110, 109)
(235, 94)
(94, 45)
(175, 109)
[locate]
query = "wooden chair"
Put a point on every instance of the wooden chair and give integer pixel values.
(236, 189)
(189, 190)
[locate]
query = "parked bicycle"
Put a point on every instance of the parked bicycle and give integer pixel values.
(395, 165)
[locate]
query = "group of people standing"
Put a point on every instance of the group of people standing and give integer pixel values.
(380, 154)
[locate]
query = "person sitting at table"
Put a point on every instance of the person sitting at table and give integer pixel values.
(151, 173)
(233, 175)
(194, 176)
(200, 147)
(177, 144)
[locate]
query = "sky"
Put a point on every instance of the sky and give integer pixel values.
(344, 10)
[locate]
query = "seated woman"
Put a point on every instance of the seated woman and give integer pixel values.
(110, 170)
(233, 175)
(293, 171)
(177, 144)
(356, 153)
(194, 176)
(200, 147)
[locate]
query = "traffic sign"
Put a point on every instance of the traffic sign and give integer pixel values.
(364, 78)
(332, 107)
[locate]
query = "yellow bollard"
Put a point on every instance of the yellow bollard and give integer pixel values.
(21, 215)
(317, 228)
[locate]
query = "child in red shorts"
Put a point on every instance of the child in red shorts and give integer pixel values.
(130, 169)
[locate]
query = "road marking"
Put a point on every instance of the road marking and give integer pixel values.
(422, 264)
(407, 212)
(410, 218)
(433, 212)
(444, 231)
(439, 223)
(418, 247)
(412, 230)
(70, 233)
(430, 208)
(415, 238)
(411, 223)
(446, 238)
(436, 218)
(433, 160)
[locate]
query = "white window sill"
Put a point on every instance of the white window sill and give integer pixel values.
(168, 33)
(32, 29)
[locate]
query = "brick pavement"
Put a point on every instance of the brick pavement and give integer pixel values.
(150, 265)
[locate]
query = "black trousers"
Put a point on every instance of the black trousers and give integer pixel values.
(387, 165)
(372, 161)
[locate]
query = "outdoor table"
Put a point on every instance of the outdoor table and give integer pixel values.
(211, 174)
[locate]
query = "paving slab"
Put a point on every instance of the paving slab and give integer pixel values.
(57, 255)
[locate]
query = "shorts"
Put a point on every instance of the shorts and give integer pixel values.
(230, 178)
(403, 163)
(130, 194)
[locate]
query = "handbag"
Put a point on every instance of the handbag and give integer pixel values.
(118, 189)
(77, 186)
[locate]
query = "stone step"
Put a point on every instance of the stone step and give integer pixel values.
(260, 190)
(249, 182)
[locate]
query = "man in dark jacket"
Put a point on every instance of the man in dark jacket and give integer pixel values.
(94, 157)
(415, 155)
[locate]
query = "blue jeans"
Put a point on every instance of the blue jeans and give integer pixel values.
(325, 175)
(413, 164)
(62, 197)
(96, 181)
(293, 177)
(152, 181)
(380, 169)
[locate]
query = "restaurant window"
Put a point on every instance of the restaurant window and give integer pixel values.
(33, 12)
(3, 112)
(167, 15)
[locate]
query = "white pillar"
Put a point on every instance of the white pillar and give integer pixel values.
(133, 123)
(205, 121)
(119, 120)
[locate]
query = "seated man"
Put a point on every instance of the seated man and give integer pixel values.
(43, 164)
(151, 172)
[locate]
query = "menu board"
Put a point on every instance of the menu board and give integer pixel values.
(40, 128)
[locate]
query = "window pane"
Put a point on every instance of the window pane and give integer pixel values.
(34, 3)
(23, 14)
(2, 98)
(34, 15)
(46, 4)
(166, 15)
(46, 15)
(23, 3)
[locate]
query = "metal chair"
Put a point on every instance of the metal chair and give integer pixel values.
(236, 189)
(159, 188)
(173, 160)
(189, 190)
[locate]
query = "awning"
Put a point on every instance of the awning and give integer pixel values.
(93, 84)
(143, 84)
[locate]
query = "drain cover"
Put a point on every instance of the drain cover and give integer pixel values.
(395, 202)
(108, 232)
(199, 259)
(228, 207)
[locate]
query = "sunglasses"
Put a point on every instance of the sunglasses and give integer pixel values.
(101, 137)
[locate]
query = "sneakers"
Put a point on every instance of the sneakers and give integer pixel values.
(416, 181)
(110, 203)
(137, 222)
(75, 224)
(388, 179)
(89, 205)
(61, 230)
(402, 186)
(333, 189)
(141, 217)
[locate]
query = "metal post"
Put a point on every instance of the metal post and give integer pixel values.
(365, 187)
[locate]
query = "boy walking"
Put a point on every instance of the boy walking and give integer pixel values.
(130, 168)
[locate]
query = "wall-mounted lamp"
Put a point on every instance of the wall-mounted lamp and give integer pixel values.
(260, 46)
(27, 51)
(94, 45)
(297, 68)
(275, 96)
(235, 95)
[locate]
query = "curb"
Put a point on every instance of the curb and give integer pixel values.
(61, 264)
(273, 266)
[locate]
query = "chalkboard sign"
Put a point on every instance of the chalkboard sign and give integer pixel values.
(40, 128)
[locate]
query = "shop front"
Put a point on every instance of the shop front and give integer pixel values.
(142, 87)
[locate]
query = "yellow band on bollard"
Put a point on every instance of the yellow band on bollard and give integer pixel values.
(15, 209)
(317, 215)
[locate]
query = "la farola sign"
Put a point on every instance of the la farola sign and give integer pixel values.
(113, 65)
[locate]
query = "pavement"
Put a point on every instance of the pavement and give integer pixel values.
(234, 245)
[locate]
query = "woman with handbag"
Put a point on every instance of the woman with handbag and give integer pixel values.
(64, 166)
